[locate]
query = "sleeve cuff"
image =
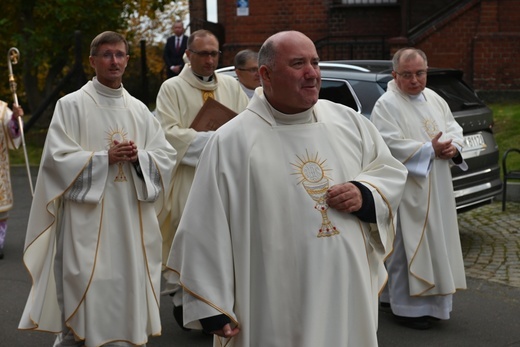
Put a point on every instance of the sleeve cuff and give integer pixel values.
(213, 323)
(367, 212)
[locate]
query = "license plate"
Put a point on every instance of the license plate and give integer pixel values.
(473, 143)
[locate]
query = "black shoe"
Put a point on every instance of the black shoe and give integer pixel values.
(177, 314)
(385, 304)
(1, 253)
(418, 323)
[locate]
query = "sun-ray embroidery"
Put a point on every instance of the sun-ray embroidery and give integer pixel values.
(118, 135)
(431, 128)
(313, 177)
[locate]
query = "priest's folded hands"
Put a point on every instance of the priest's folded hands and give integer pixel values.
(122, 151)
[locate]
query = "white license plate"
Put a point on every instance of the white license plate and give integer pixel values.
(473, 143)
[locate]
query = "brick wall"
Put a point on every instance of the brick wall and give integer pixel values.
(266, 18)
(497, 46)
(482, 37)
(509, 15)
(451, 46)
(496, 62)
(484, 42)
(348, 21)
(198, 9)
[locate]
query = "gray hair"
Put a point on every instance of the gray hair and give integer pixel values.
(406, 54)
(267, 54)
(242, 57)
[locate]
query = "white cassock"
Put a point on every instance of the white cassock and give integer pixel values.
(93, 244)
(258, 243)
(428, 256)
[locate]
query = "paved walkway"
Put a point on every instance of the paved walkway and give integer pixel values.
(491, 243)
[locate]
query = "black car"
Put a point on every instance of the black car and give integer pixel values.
(359, 83)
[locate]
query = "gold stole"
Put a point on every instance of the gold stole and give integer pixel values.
(207, 94)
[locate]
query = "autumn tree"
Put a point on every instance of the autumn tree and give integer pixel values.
(44, 32)
(153, 26)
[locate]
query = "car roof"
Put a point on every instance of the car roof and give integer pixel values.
(374, 66)
(379, 67)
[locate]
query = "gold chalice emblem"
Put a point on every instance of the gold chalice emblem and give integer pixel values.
(316, 184)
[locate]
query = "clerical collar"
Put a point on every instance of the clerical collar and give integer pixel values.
(107, 91)
(419, 97)
(281, 118)
(203, 78)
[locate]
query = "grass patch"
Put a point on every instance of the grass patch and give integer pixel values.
(507, 130)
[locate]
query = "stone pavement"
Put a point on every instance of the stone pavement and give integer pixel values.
(491, 243)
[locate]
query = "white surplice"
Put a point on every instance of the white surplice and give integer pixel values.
(93, 244)
(427, 213)
(258, 243)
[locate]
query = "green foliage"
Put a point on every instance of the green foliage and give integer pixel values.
(152, 26)
(44, 33)
(507, 130)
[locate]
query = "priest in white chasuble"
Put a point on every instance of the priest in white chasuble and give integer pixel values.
(93, 244)
(426, 267)
(290, 216)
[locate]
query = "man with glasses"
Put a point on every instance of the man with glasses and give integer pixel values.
(246, 68)
(426, 267)
(179, 101)
(93, 243)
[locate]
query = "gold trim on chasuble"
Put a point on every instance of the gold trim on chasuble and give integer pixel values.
(313, 178)
(118, 135)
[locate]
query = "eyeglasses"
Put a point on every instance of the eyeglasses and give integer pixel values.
(409, 75)
(206, 54)
(110, 55)
(252, 69)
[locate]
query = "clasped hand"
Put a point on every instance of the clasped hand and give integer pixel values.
(122, 151)
(444, 149)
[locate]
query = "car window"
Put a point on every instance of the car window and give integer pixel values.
(458, 96)
(338, 91)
